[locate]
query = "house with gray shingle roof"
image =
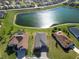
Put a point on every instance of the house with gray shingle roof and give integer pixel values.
(40, 45)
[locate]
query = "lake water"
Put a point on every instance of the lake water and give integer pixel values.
(46, 18)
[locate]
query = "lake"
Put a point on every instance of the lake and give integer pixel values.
(47, 18)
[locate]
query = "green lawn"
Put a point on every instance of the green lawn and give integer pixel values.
(77, 2)
(54, 53)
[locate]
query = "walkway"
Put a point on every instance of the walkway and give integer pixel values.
(44, 55)
(76, 50)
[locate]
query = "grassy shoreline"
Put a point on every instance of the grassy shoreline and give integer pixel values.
(31, 11)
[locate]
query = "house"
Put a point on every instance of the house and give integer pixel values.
(17, 6)
(7, 2)
(40, 1)
(11, 6)
(74, 31)
(40, 40)
(1, 7)
(40, 45)
(17, 1)
(63, 40)
(0, 4)
(6, 6)
(19, 42)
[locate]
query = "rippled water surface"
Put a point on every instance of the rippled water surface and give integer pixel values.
(46, 18)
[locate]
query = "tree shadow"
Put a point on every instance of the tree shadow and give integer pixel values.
(56, 45)
(10, 49)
